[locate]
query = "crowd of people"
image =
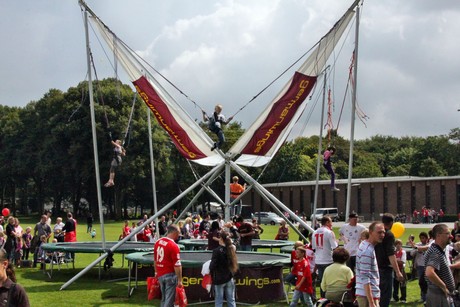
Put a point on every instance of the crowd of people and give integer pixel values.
(427, 215)
(370, 268)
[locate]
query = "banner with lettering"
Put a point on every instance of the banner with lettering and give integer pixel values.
(280, 115)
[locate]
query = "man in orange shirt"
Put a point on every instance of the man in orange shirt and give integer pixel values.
(235, 190)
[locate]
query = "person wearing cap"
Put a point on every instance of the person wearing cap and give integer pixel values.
(350, 234)
(235, 190)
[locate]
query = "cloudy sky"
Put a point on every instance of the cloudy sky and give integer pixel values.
(226, 52)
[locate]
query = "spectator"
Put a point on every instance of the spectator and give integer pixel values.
(18, 251)
(2, 239)
(246, 232)
(419, 260)
(125, 230)
(283, 232)
(337, 276)
(386, 259)
(48, 217)
(304, 284)
(221, 221)
(350, 234)
(162, 225)
(168, 268)
(323, 242)
(214, 235)
(233, 231)
(70, 233)
(11, 242)
(292, 276)
(367, 272)
(440, 215)
(11, 293)
(40, 229)
(224, 265)
(438, 274)
(205, 225)
(401, 259)
(189, 228)
(310, 254)
(89, 223)
(132, 229)
(26, 240)
(258, 230)
(57, 230)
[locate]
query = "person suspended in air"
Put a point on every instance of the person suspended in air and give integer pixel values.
(215, 125)
(328, 165)
(118, 152)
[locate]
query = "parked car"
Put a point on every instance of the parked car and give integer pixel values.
(333, 213)
(267, 218)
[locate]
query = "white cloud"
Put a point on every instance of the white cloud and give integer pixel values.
(229, 50)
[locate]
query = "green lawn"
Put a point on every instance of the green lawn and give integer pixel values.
(90, 291)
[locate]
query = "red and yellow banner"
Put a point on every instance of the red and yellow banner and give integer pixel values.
(280, 115)
(178, 134)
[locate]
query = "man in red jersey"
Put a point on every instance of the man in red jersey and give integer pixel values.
(168, 268)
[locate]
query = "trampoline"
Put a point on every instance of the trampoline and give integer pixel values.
(191, 244)
(94, 247)
(260, 278)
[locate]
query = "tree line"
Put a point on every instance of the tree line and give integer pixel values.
(47, 157)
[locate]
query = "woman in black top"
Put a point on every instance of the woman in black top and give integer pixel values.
(10, 244)
(224, 264)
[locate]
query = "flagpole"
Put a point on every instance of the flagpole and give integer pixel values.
(152, 168)
(320, 147)
(353, 111)
(93, 126)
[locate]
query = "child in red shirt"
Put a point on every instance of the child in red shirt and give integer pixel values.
(304, 285)
(292, 276)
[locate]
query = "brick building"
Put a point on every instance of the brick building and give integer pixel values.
(370, 196)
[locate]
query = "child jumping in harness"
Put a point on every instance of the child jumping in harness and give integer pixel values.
(118, 152)
(215, 125)
(328, 165)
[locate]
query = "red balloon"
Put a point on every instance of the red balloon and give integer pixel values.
(6, 212)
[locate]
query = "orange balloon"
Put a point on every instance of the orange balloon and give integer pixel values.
(398, 229)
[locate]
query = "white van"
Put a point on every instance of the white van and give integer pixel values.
(333, 213)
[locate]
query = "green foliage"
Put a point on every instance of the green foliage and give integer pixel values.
(47, 154)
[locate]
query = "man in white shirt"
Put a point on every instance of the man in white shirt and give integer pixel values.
(323, 242)
(350, 234)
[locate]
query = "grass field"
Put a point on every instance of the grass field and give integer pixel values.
(90, 291)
